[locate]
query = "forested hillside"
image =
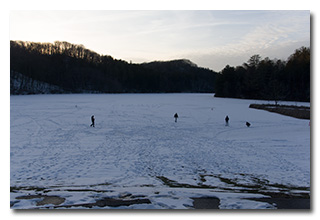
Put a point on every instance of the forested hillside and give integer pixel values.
(74, 69)
(268, 79)
(183, 75)
(62, 67)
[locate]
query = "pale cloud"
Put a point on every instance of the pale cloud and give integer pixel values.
(272, 36)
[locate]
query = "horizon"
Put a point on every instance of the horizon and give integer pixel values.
(210, 39)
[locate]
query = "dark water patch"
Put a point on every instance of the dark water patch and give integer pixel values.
(286, 203)
(45, 200)
(206, 203)
(110, 202)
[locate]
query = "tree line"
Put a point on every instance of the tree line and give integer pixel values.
(267, 79)
(76, 69)
(73, 68)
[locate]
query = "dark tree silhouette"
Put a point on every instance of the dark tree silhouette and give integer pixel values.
(268, 79)
(76, 69)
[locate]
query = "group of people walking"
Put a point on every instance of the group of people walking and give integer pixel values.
(226, 119)
(227, 122)
(175, 120)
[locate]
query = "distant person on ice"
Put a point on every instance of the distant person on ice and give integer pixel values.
(227, 120)
(92, 121)
(176, 117)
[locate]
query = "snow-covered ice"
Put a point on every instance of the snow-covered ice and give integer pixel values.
(136, 150)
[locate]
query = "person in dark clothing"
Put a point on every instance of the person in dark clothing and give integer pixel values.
(176, 117)
(227, 120)
(248, 124)
(92, 121)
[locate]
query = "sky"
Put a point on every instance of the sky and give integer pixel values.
(209, 38)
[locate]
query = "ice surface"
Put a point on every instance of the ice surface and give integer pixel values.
(137, 148)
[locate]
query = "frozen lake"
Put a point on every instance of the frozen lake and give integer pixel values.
(136, 150)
